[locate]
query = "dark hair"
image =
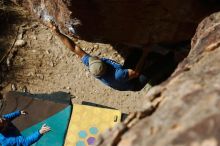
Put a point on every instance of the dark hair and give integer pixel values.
(2, 125)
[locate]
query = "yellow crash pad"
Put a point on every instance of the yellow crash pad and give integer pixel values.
(88, 122)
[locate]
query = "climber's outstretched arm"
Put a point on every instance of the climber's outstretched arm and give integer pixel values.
(68, 42)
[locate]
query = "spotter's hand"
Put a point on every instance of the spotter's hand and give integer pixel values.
(44, 129)
(23, 112)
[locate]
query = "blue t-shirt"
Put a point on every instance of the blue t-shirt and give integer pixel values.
(115, 76)
(8, 138)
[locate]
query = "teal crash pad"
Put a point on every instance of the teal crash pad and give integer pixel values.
(59, 125)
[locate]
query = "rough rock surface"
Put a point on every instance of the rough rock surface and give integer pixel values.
(184, 110)
(131, 22)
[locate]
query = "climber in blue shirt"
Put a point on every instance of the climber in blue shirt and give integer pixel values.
(7, 137)
(107, 71)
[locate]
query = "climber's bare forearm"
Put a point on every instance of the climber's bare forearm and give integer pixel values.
(141, 61)
(137, 71)
(71, 44)
(66, 41)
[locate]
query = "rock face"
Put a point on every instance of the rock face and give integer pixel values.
(184, 110)
(126, 21)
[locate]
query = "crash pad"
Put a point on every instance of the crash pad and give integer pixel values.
(55, 112)
(88, 122)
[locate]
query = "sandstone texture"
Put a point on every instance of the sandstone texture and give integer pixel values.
(125, 21)
(184, 110)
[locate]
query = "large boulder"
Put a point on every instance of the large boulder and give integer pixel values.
(184, 110)
(125, 21)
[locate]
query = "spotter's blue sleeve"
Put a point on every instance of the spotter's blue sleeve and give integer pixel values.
(13, 115)
(21, 140)
(32, 138)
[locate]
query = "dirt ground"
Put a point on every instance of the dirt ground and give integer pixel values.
(44, 65)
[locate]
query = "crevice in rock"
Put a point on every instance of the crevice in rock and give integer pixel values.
(160, 62)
